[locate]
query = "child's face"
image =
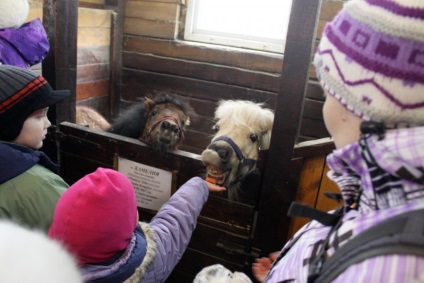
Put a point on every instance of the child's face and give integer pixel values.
(343, 126)
(34, 129)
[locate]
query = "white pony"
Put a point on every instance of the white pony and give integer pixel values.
(243, 128)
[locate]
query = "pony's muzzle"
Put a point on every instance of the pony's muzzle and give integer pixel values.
(224, 152)
(166, 125)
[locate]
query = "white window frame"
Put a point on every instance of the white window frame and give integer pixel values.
(193, 33)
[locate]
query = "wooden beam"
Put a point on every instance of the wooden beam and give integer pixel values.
(116, 55)
(60, 19)
(276, 194)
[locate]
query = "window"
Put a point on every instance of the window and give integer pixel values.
(253, 24)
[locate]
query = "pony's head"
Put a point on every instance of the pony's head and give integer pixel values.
(242, 129)
(167, 119)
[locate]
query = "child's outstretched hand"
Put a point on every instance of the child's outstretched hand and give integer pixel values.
(214, 188)
(261, 266)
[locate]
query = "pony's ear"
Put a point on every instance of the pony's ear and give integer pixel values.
(148, 103)
(187, 121)
(265, 140)
(268, 121)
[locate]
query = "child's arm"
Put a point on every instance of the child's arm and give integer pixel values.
(174, 224)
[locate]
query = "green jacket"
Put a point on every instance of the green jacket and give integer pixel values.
(28, 196)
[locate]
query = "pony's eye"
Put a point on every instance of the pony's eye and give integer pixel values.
(254, 137)
(215, 128)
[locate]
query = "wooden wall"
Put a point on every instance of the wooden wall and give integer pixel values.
(35, 11)
(156, 58)
(93, 52)
(93, 58)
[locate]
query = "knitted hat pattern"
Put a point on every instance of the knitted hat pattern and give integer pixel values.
(371, 59)
(95, 218)
(21, 93)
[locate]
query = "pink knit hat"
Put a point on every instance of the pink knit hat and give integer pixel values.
(96, 217)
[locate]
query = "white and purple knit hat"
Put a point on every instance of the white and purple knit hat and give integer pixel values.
(371, 59)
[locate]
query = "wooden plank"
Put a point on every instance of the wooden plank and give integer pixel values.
(312, 129)
(35, 11)
(116, 57)
(162, 1)
(275, 193)
(92, 89)
(329, 9)
(157, 11)
(94, 18)
(312, 109)
(214, 73)
(315, 91)
(90, 55)
(324, 203)
(241, 58)
(307, 192)
(93, 37)
(135, 26)
(313, 148)
(87, 73)
(148, 82)
(59, 67)
(196, 142)
(99, 2)
(320, 29)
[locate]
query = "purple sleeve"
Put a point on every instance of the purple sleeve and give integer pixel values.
(174, 224)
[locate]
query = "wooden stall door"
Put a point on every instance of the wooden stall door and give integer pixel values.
(224, 229)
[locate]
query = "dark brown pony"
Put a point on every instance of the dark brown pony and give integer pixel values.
(160, 122)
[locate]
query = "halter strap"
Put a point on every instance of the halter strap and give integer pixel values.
(243, 160)
(164, 118)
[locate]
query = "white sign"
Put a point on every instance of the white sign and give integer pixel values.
(152, 185)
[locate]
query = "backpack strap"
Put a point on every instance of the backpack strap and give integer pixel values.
(402, 234)
(303, 210)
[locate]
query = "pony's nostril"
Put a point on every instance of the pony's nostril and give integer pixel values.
(223, 154)
(212, 147)
(165, 125)
(174, 128)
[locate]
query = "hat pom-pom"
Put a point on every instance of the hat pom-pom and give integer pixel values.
(13, 13)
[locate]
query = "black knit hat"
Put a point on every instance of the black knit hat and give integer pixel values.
(21, 93)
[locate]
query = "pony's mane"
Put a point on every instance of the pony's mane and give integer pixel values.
(246, 113)
(166, 97)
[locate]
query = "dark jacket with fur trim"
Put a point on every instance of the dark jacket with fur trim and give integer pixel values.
(156, 247)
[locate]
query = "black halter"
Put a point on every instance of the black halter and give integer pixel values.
(243, 160)
(149, 129)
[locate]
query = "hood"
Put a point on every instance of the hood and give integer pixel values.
(380, 173)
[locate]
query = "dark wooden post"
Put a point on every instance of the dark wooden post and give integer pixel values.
(60, 67)
(60, 19)
(276, 195)
(116, 55)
